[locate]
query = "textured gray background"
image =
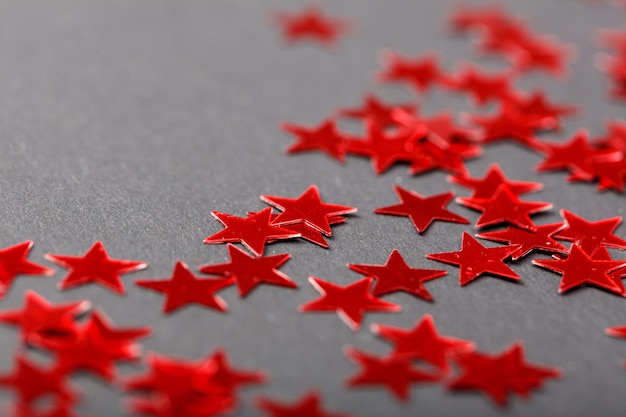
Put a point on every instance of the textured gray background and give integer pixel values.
(129, 121)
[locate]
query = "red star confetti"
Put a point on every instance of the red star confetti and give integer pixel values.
(95, 266)
(311, 24)
(509, 124)
(541, 53)
(420, 73)
(613, 66)
(397, 275)
(615, 137)
(13, 262)
(487, 186)
(249, 271)
(617, 274)
(423, 343)
(448, 157)
(441, 128)
(325, 138)
(499, 375)
(475, 260)
(422, 210)
(540, 239)
(394, 373)
(252, 231)
(611, 174)
(350, 302)
(590, 235)
(310, 234)
(183, 288)
(537, 107)
(308, 405)
(484, 88)
(376, 110)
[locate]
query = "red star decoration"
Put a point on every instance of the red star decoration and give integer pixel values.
(95, 266)
(311, 24)
(449, 157)
(617, 274)
(252, 231)
(615, 137)
(505, 206)
(422, 210)
(423, 343)
(310, 234)
(509, 124)
(482, 87)
(219, 371)
(500, 374)
(308, 405)
(41, 319)
(475, 260)
(394, 373)
(308, 208)
(540, 239)
(13, 262)
(397, 275)
(249, 271)
(444, 128)
(588, 235)
(377, 110)
(614, 67)
(536, 106)
(486, 186)
(611, 175)
(324, 137)
(616, 332)
(420, 72)
(183, 288)
(350, 302)
(579, 268)
(538, 53)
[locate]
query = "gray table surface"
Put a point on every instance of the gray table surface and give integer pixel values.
(129, 121)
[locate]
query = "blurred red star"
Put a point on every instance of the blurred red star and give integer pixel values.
(309, 405)
(377, 110)
(537, 107)
(420, 72)
(539, 239)
(483, 87)
(509, 124)
(615, 137)
(590, 235)
(311, 24)
(486, 186)
(13, 262)
(325, 137)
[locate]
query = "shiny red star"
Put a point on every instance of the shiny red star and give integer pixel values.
(617, 274)
(397, 374)
(183, 288)
(611, 174)
(311, 24)
(542, 54)
(325, 137)
(539, 239)
(448, 157)
(420, 73)
(95, 266)
(537, 107)
(377, 110)
(397, 275)
(475, 260)
(252, 231)
(308, 405)
(249, 271)
(218, 370)
(486, 186)
(350, 302)
(484, 88)
(13, 262)
(615, 137)
(310, 234)
(509, 124)
(590, 235)
(422, 210)
(441, 128)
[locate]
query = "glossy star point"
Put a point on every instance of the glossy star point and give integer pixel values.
(13, 262)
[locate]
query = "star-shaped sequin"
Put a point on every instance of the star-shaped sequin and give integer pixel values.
(310, 234)
(590, 235)
(309, 405)
(377, 110)
(475, 260)
(509, 124)
(420, 72)
(483, 88)
(441, 127)
(184, 288)
(311, 24)
(422, 210)
(13, 262)
(540, 239)
(615, 137)
(486, 186)
(397, 275)
(325, 137)
(537, 107)
(252, 231)
(350, 302)
(617, 274)
(543, 54)
(95, 266)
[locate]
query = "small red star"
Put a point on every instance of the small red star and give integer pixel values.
(324, 137)
(579, 268)
(443, 127)
(249, 271)
(422, 210)
(311, 24)
(611, 175)
(509, 124)
(252, 231)
(183, 288)
(308, 208)
(613, 66)
(616, 275)
(350, 302)
(394, 373)
(536, 106)
(449, 157)
(13, 262)
(309, 405)
(313, 235)
(95, 266)
(505, 206)
(40, 318)
(588, 235)
(540, 239)
(375, 109)
(486, 186)
(420, 72)
(539, 53)
(397, 275)
(615, 137)
(422, 342)
(475, 260)
(220, 372)
(482, 87)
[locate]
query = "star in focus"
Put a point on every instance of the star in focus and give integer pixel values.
(486, 186)
(420, 72)
(375, 109)
(309, 405)
(325, 137)
(311, 24)
(13, 262)
(529, 241)
(590, 235)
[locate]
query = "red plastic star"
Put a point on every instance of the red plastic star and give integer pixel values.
(486, 186)
(324, 137)
(40, 318)
(448, 157)
(311, 24)
(13, 262)
(308, 208)
(397, 275)
(540, 239)
(539, 53)
(95, 266)
(611, 175)
(579, 268)
(616, 275)
(249, 271)
(474, 260)
(394, 373)
(311, 234)
(375, 109)
(420, 72)
(509, 124)
(615, 137)
(422, 210)
(505, 206)
(183, 288)
(536, 106)
(443, 127)
(308, 405)
(350, 302)
(590, 235)
(613, 66)
(500, 374)
(422, 342)
(252, 231)
(482, 87)
(217, 370)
